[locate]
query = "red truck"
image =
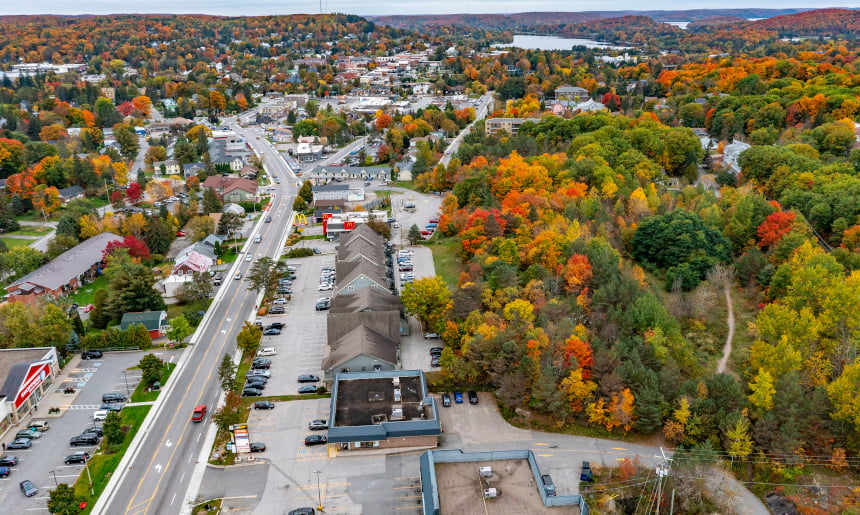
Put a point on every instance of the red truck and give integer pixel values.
(199, 413)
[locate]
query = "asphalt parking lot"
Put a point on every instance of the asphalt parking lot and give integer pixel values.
(43, 462)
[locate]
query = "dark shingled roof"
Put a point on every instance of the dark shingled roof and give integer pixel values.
(360, 340)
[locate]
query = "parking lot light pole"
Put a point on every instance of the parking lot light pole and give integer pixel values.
(87, 466)
(319, 492)
(127, 391)
(56, 485)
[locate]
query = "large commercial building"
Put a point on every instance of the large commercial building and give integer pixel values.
(26, 375)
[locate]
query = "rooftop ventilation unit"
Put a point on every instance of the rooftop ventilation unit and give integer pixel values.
(490, 493)
(485, 471)
(397, 396)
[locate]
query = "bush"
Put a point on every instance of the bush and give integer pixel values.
(300, 252)
(135, 337)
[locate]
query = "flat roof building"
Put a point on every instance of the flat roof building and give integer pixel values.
(385, 409)
(499, 482)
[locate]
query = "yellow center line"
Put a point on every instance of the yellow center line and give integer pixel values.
(170, 427)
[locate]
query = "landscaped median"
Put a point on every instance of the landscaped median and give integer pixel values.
(143, 393)
(102, 465)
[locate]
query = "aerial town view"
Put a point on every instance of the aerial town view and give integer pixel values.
(333, 257)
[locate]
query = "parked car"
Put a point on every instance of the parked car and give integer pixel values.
(277, 311)
(435, 362)
(28, 488)
(315, 440)
(84, 439)
(308, 378)
(323, 304)
(259, 373)
(100, 415)
(434, 220)
(272, 331)
(316, 251)
(458, 397)
(5, 471)
(268, 351)
(308, 388)
(8, 461)
(32, 434)
(264, 405)
(91, 354)
(302, 511)
(114, 397)
(251, 392)
(473, 397)
(199, 413)
(318, 424)
(279, 301)
(435, 350)
(425, 232)
(20, 443)
(325, 287)
(586, 474)
(77, 457)
(275, 325)
(111, 406)
(258, 447)
(253, 383)
(446, 400)
(548, 485)
(261, 365)
(432, 336)
(93, 430)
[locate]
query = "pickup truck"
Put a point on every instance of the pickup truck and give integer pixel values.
(199, 413)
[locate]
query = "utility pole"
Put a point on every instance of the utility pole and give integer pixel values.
(319, 492)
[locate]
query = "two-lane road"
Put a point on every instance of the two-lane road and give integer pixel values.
(157, 478)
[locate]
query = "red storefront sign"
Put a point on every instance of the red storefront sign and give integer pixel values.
(36, 375)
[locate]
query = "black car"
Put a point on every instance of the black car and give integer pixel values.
(275, 325)
(268, 219)
(8, 461)
(114, 397)
(302, 511)
(258, 385)
(548, 485)
(84, 439)
(323, 305)
(308, 378)
(319, 423)
(91, 354)
(315, 440)
(473, 397)
(77, 457)
(112, 406)
(262, 365)
(272, 331)
(446, 400)
(316, 251)
(28, 488)
(93, 430)
(435, 362)
(277, 311)
(258, 447)
(436, 350)
(260, 361)
(264, 405)
(435, 353)
(308, 388)
(252, 392)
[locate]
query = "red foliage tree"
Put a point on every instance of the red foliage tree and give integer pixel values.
(116, 197)
(133, 192)
(136, 248)
(125, 109)
(578, 354)
(774, 227)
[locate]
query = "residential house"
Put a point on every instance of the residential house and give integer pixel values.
(64, 274)
(192, 263)
(205, 247)
(154, 321)
(71, 193)
(169, 167)
(367, 173)
(232, 189)
(307, 151)
(193, 169)
(573, 93)
(330, 192)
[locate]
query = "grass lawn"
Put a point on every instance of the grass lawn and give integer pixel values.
(101, 465)
(313, 237)
(15, 242)
(87, 294)
(409, 185)
(141, 395)
(385, 193)
(228, 257)
(31, 230)
(174, 310)
(446, 261)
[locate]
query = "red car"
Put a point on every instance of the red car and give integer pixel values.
(434, 220)
(425, 232)
(199, 413)
(180, 233)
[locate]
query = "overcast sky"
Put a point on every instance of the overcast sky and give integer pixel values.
(375, 7)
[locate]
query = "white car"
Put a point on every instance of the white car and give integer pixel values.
(268, 351)
(100, 415)
(325, 287)
(248, 258)
(280, 301)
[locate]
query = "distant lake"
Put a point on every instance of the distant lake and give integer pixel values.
(555, 43)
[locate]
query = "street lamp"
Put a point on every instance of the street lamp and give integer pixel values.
(127, 390)
(319, 492)
(56, 485)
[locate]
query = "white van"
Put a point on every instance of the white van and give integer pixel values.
(258, 238)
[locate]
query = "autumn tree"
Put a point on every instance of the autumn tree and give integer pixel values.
(428, 299)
